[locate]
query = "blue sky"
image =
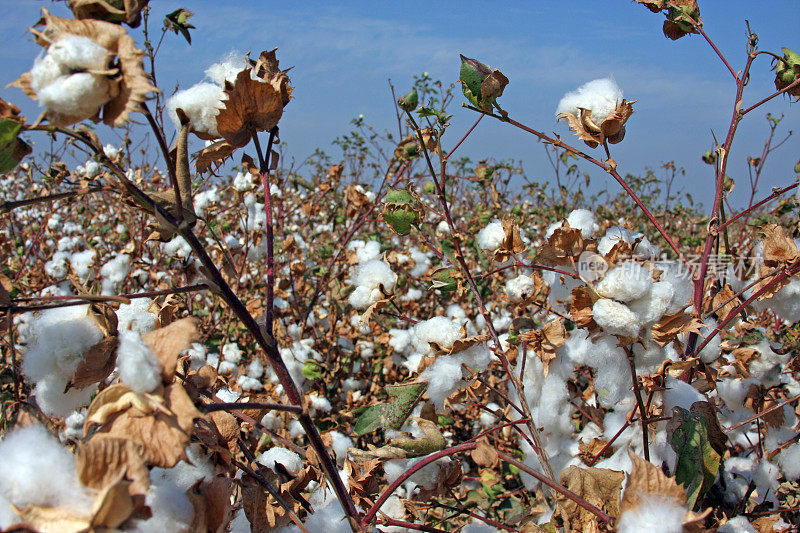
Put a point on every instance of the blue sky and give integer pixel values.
(343, 53)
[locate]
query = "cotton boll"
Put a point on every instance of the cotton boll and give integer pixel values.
(201, 103)
(476, 526)
(491, 237)
(444, 378)
(394, 508)
(171, 508)
(231, 352)
(737, 524)
(654, 514)
(185, 474)
(242, 182)
(136, 317)
(114, 272)
(81, 263)
(712, 350)
(519, 288)
(613, 236)
(319, 403)
(78, 95)
(584, 220)
(651, 307)
(785, 303)
(438, 329)
(682, 287)
(769, 365)
(615, 318)
(371, 250)
(678, 393)
(177, 247)
(59, 340)
(45, 71)
(226, 70)
(626, 282)
(289, 459)
(789, 461)
(330, 519)
(369, 279)
(139, 368)
(340, 444)
(76, 52)
(600, 96)
(53, 401)
(255, 369)
(612, 381)
(37, 470)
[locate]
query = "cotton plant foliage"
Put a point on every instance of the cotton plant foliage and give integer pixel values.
(90, 69)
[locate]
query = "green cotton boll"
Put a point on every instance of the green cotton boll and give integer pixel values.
(445, 281)
(401, 220)
(472, 74)
(789, 67)
(429, 187)
(399, 196)
(409, 102)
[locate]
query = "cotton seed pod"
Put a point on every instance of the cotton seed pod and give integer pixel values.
(709, 157)
(481, 84)
(429, 187)
(445, 280)
(786, 70)
(611, 129)
(402, 211)
(409, 102)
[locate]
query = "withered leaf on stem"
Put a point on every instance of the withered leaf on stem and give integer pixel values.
(599, 486)
(97, 365)
(101, 460)
(168, 342)
(648, 478)
(251, 106)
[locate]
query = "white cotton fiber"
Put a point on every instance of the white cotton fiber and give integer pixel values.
(438, 329)
(612, 379)
(139, 367)
(519, 288)
(136, 317)
(289, 459)
(172, 510)
(393, 508)
(737, 524)
(45, 71)
(201, 103)
(601, 96)
(789, 461)
(491, 237)
(785, 304)
(81, 263)
(654, 514)
(226, 70)
(615, 318)
(76, 52)
(712, 350)
(444, 378)
(177, 247)
(340, 444)
(613, 236)
(80, 94)
(653, 304)
(369, 278)
(58, 340)
(231, 352)
(327, 519)
(37, 470)
(584, 220)
(371, 250)
(476, 526)
(114, 272)
(421, 262)
(682, 288)
(53, 401)
(678, 393)
(625, 282)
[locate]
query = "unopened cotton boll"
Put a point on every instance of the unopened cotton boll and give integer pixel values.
(201, 103)
(76, 52)
(519, 288)
(615, 318)
(139, 367)
(625, 282)
(491, 237)
(655, 513)
(77, 95)
(600, 96)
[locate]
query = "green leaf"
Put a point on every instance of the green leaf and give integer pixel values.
(692, 435)
(393, 414)
(12, 149)
(177, 21)
(311, 370)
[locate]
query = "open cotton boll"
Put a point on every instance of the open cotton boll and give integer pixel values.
(584, 220)
(371, 250)
(613, 236)
(81, 263)
(600, 96)
(682, 287)
(519, 288)
(58, 340)
(678, 393)
(45, 71)
(37, 470)
(76, 52)
(789, 461)
(114, 272)
(444, 378)
(769, 365)
(438, 329)
(476, 526)
(712, 350)
(289, 459)
(53, 401)
(785, 304)
(328, 519)
(171, 511)
(369, 277)
(231, 352)
(625, 282)
(136, 317)
(421, 263)
(737, 524)
(186, 473)
(491, 237)
(612, 380)
(340, 444)
(654, 514)
(227, 69)
(653, 304)
(201, 103)
(77, 95)
(393, 508)
(615, 318)
(139, 368)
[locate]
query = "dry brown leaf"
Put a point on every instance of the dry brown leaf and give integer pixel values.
(778, 246)
(226, 424)
(251, 106)
(112, 506)
(364, 480)
(669, 327)
(484, 454)
(266, 68)
(168, 342)
(97, 365)
(580, 309)
(102, 460)
(460, 344)
(563, 246)
(512, 242)
(648, 478)
(130, 13)
(212, 505)
(599, 486)
(53, 519)
(214, 155)
(725, 301)
(546, 340)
